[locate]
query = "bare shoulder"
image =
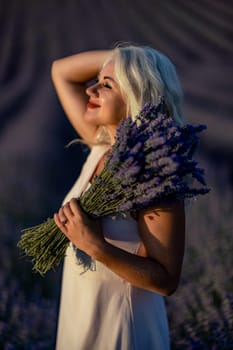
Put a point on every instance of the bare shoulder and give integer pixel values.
(164, 209)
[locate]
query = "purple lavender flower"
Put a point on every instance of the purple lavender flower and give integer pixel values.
(151, 160)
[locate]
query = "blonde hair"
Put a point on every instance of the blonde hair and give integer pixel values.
(144, 76)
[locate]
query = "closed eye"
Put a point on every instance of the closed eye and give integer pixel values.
(106, 85)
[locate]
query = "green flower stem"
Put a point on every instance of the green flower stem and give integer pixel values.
(45, 243)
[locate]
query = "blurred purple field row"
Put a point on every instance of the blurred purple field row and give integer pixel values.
(201, 311)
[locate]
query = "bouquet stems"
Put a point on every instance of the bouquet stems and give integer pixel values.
(45, 243)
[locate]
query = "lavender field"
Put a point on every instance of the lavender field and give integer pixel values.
(36, 169)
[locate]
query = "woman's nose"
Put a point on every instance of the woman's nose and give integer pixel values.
(92, 90)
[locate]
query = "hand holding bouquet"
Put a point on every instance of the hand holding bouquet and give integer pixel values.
(150, 161)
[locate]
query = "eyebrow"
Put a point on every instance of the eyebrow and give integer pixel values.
(110, 78)
(107, 77)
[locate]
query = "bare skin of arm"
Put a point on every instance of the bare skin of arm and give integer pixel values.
(70, 75)
(158, 264)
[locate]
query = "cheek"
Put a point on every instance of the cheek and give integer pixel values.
(119, 110)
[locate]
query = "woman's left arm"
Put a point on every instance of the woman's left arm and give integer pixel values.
(158, 265)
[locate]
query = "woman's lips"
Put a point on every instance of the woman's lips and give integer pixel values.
(92, 105)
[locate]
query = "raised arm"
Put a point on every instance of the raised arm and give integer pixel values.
(70, 75)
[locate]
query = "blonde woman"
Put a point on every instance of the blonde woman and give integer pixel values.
(118, 303)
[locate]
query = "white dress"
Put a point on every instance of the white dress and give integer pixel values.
(98, 309)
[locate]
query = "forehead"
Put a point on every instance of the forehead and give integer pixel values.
(108, 69)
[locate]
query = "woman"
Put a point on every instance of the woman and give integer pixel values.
(118, 304)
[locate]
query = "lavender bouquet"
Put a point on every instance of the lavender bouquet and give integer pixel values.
(150, 161)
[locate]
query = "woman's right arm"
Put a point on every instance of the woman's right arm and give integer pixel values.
(70, 75)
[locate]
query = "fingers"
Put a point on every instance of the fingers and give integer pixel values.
(61, 216)
(74, 207)
(58, 221)
(82, 231)
(67, 212)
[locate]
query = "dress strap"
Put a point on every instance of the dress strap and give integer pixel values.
(87, 171)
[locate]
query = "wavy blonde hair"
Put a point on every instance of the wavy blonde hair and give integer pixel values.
(144, 76)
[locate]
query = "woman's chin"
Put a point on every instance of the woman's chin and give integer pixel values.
(91, 118)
